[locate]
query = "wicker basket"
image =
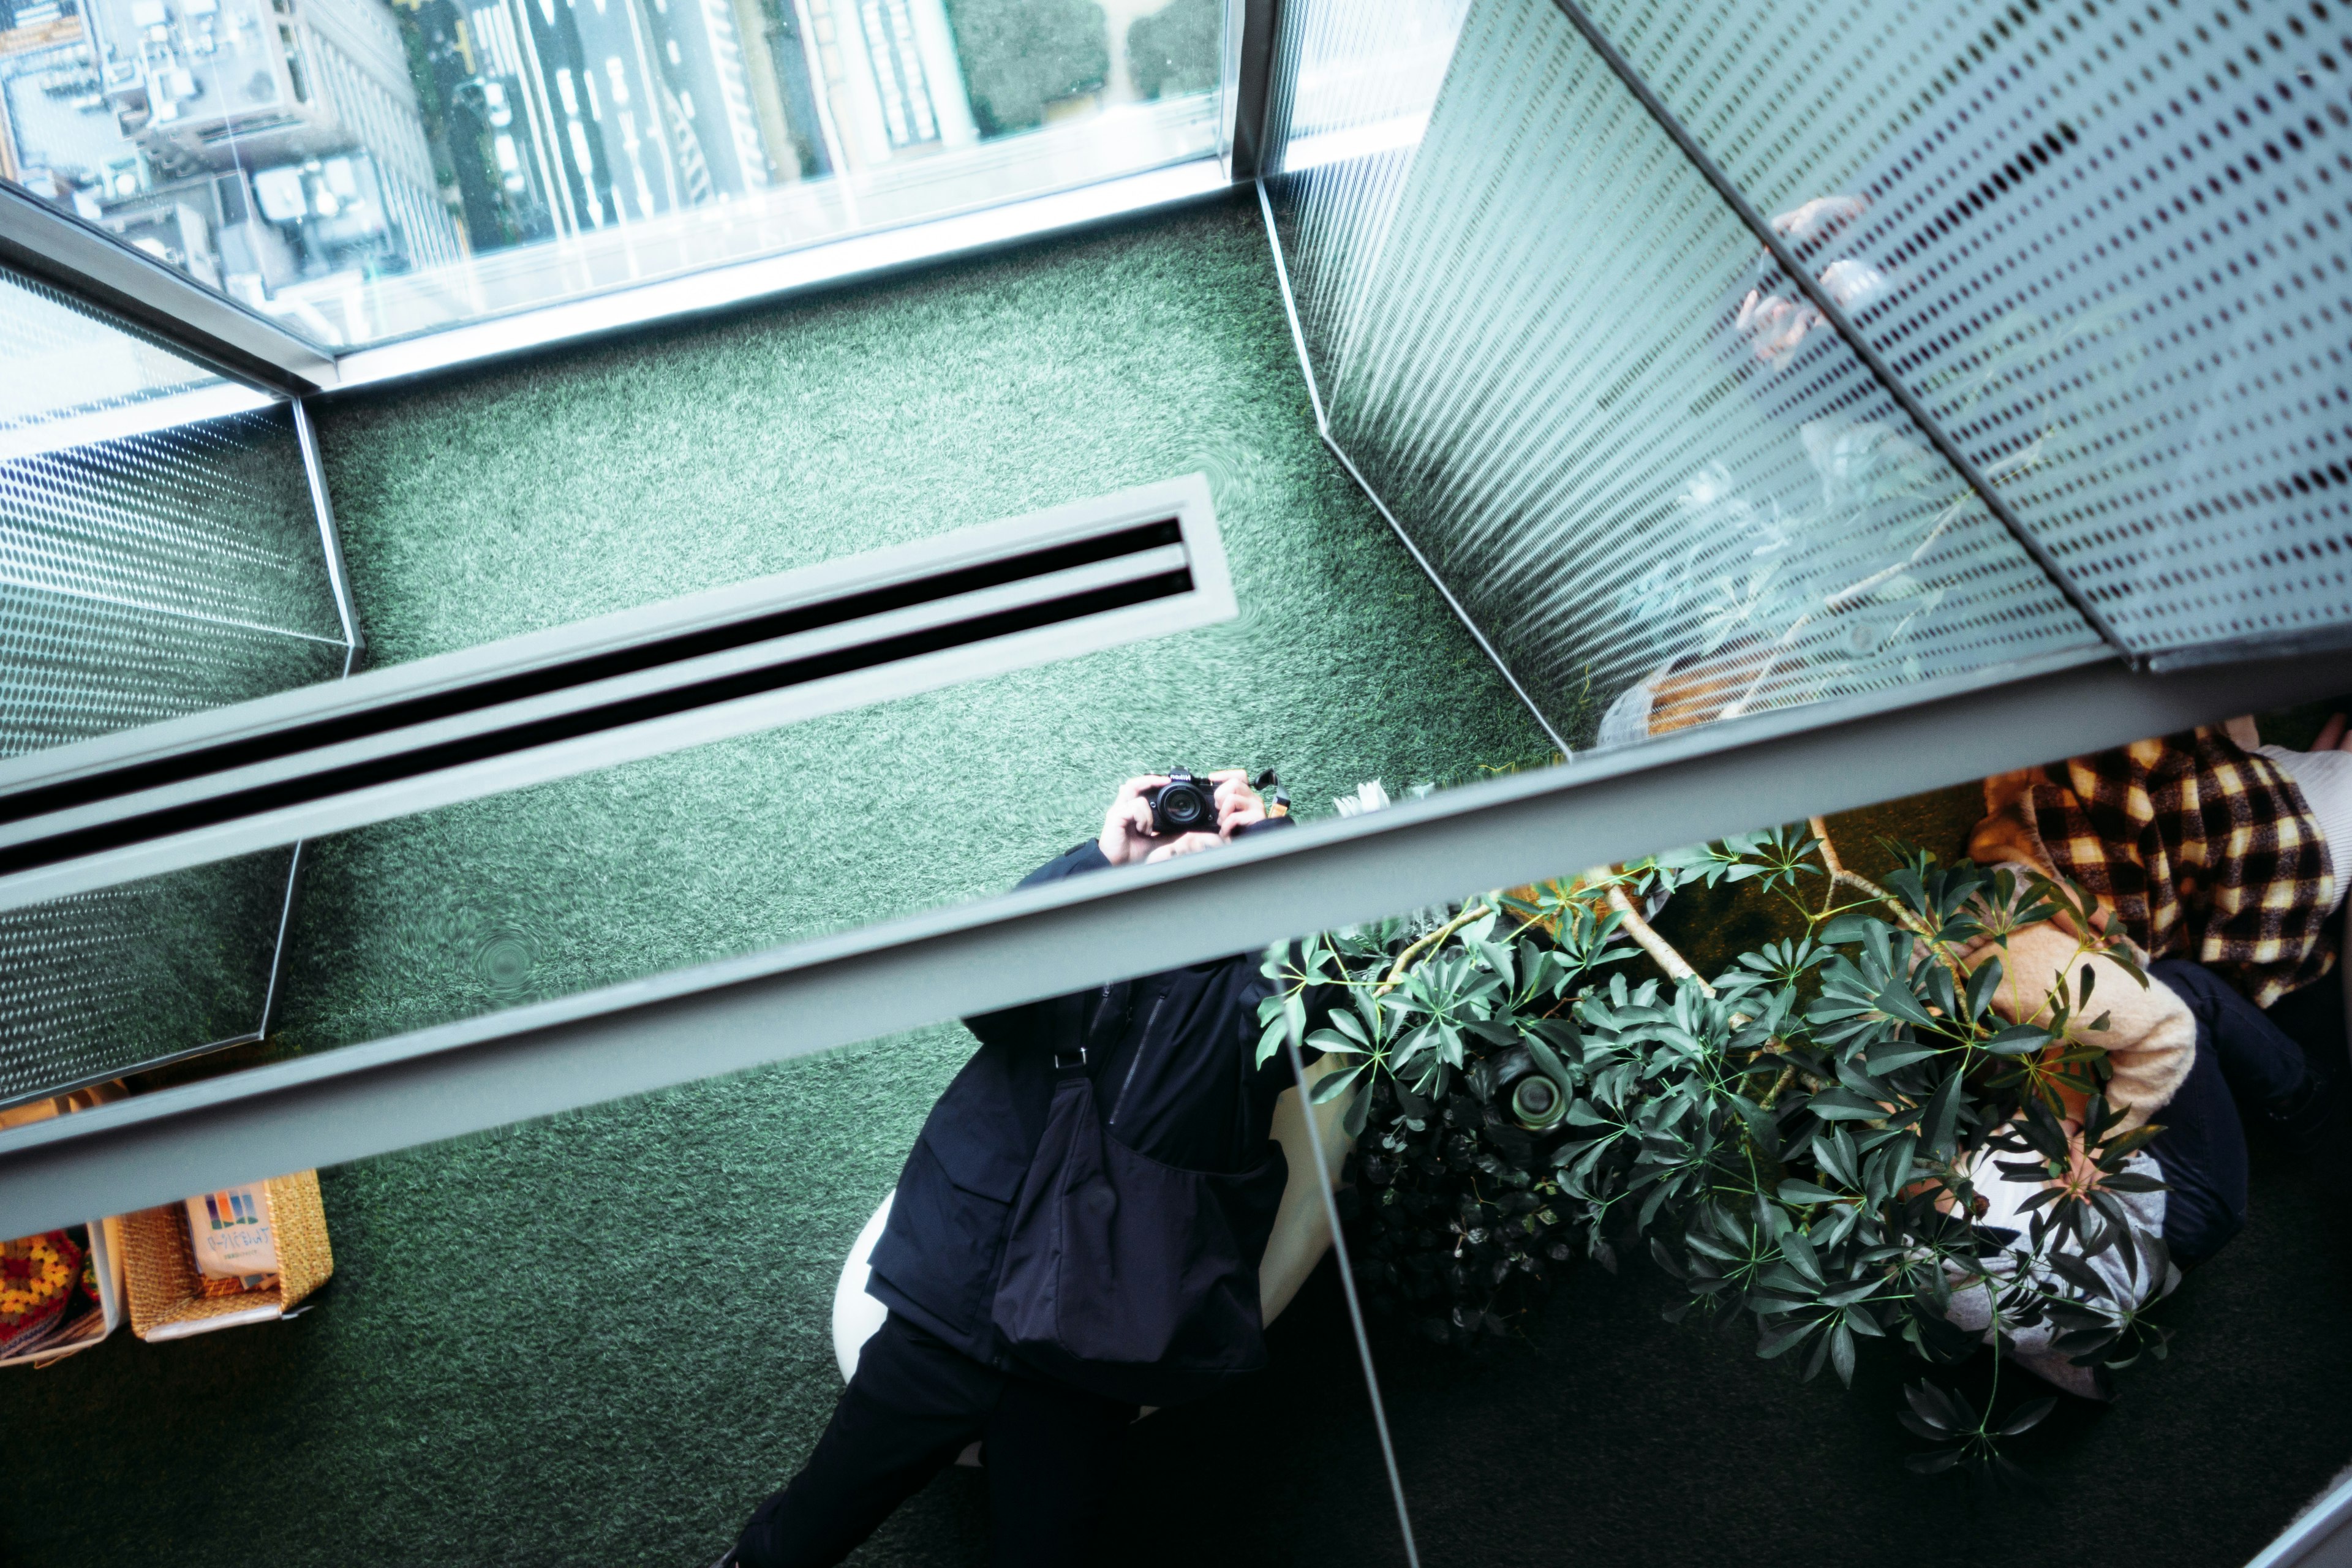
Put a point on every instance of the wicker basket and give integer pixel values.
(167, 1299)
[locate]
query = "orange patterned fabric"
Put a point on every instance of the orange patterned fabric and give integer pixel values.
(2201, 850)
(38, 1274)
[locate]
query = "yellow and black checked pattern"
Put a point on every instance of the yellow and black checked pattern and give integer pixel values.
(2202, 849)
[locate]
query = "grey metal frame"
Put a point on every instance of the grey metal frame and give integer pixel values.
(329, 542)
(725, 1017)
(855, 258)
(85, 261)
(1184, 500)
(1250, 29)
(2322, 1538)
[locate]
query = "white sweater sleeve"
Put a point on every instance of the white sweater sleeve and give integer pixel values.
(2325, 779)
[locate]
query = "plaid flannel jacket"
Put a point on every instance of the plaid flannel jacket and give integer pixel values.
(2201, 850)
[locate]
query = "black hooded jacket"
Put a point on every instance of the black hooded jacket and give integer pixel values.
(1173, 1059)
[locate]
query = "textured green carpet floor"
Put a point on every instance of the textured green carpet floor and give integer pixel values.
(599, 1340)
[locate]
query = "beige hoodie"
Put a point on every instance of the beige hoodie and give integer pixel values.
(2150, 1039)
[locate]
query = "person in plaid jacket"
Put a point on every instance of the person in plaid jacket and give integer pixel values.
(2212, 856)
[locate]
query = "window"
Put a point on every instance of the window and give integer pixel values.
(396, 166)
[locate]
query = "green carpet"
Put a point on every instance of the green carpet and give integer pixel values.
(599, 1340)
(602, 1339)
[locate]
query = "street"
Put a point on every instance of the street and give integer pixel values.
(637, 107)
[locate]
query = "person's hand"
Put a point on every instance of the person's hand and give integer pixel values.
(1183, 844)
(1238, 805)
(2332, 736)
(1127, 833)
(1774, 325)
(1818, 219)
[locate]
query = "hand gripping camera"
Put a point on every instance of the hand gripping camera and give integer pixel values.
(1184, 804)
(1189, 805)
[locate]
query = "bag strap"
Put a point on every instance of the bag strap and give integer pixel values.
(1099, 1031)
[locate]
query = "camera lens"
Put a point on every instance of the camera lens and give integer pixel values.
(1182, 805)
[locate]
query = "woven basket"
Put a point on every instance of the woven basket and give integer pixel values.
(167, 1298)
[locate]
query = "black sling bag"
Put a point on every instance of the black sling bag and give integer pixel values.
(1127, 1277)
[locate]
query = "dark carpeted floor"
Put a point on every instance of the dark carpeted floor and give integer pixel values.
(602, 1339)
(599, 1340)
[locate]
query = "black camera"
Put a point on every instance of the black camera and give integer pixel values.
(1184, 804)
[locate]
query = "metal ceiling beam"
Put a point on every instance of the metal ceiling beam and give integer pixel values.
(94, 265)
(724, 1017)
(852, 258)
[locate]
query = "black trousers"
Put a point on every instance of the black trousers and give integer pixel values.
(914, 1405)
(2243, 1060)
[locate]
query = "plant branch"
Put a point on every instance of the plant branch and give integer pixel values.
(1657, 947)
(1829, 860)
(1832, 863)
(1430, 944)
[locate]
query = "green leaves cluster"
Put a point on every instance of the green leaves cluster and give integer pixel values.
(1794, 1140)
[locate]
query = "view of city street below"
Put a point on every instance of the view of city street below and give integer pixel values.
(361, 170)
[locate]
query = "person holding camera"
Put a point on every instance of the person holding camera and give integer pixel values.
(1076, 1236)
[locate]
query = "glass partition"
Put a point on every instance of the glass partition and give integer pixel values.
(2092, 252)
(361, 170)
(1525, 324)
(651, 1304)
(1529, 251)
(160, 555)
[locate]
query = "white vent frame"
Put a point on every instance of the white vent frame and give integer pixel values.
(87, 769)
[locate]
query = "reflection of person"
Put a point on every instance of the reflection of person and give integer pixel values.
(1847, 544)
(1173, 1060)
(2214, 863)
(2188, 1053)
(1805, 569)
(2197, 845)
(1774, 326)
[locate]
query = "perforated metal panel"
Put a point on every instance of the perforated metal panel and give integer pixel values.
(1541, 378)
(1349, 104)
(157, 573)
(106, 982)
(64, 359)
(2105, 244)
(160, 553)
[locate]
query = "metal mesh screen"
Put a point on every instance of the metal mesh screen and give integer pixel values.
(1541, 374)
(1348, 106)
(2105, 244)
(160, 553)
(106, 982)
(63, 360)
(157, 567)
